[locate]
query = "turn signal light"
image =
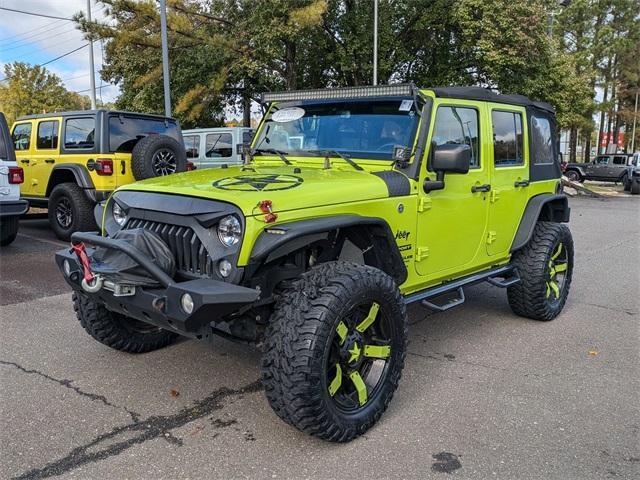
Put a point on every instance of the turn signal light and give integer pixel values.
(104, 166)
(190, 166)
(16, 175)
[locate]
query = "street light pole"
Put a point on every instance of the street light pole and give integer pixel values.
(92, 68)
(633, 130)
(375, 42)
(165, 57)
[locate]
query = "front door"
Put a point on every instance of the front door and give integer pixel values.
(45, 155)
(452, 221)
(598, 169)
(509, 175)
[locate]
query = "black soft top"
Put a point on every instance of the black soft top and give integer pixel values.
(90, 112)
(485, 95)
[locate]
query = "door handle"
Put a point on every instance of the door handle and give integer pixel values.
(50, 160)
(26, 160)
(481, 188)
(521, 183)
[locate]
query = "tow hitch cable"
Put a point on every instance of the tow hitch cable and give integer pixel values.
(90, 282)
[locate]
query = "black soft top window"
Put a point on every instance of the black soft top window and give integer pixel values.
(126, 130)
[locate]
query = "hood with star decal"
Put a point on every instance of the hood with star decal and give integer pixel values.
(286, 187)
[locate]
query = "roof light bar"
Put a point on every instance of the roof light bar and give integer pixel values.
(397, 90)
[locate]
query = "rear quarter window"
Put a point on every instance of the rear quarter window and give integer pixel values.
(125, 131)
(541, 140)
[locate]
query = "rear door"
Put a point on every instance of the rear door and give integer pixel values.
(24, 146)
(46, 153)
(617, 167)
(509, 175)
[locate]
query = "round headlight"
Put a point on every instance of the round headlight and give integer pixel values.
(229, 230)
(118, 214)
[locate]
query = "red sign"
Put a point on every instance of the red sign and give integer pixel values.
(608, 138)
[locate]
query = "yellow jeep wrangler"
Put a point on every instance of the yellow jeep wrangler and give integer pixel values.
(72, 160)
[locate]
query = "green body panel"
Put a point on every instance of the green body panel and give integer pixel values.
(441, 235)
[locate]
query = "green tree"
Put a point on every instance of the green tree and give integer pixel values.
(33, 89)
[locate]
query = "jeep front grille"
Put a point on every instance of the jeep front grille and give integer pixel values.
(189, 253)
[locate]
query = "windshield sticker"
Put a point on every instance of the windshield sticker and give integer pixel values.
(406, 105)
(258, 183)
(288, 114)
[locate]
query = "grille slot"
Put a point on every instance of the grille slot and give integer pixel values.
(188, 251)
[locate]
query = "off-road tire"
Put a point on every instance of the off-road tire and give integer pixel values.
(117, 331)
(299, 337)
(627, 184)
(528, 297)
(573, 176)
(623, 179)
(8, 230)
(142, 156)
(635, 187)
(82, 219)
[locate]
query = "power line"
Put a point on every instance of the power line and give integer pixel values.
(37, 37)
(97, 88)
(35, 14)
(39, 50)
(29, 36)
(63, 55)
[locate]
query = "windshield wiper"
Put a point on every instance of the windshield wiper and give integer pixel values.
(273, 150)
(335, 153)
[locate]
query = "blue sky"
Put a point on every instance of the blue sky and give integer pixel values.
(36, 40)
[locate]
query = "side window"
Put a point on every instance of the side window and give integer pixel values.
(541, 140)
(21, 136)
(47, 135)
(458, 125)
(192, 144)
(247, 136)
(603, 160)
(79, 133)
(218, 145)
(507, 138)
(620, 161)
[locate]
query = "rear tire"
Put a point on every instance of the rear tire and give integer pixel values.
(545, 266)
(635, 186)
(314, 329)
(70, 210)
(8, 230)
(156, 156)
(117, 331)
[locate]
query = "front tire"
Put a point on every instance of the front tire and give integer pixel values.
(545, 266)
(8, 230)
(70, 210)
(635, 186)
(117, 331)
(335, 350)
(573, 176)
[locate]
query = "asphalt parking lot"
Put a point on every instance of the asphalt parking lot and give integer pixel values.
(484, 394)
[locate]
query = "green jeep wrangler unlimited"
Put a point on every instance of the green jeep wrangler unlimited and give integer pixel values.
(351, 204)
(72, 160)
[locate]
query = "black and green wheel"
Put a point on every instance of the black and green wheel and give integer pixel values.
(335, 349)
(545, 266)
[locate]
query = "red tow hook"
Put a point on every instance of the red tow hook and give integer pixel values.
(265, 207)
(81, 252)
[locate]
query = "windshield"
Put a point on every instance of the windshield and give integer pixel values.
(368, 129)
(125, 131)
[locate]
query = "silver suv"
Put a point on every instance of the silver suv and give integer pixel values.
(632, 178)
(214, 147)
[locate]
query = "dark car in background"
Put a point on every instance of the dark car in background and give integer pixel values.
(609, 167)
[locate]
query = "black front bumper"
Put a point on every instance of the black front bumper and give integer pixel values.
(13, 208)
(213, 299)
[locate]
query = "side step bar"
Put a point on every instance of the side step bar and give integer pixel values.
(502, 277)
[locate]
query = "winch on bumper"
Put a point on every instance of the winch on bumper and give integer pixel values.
(166, 305)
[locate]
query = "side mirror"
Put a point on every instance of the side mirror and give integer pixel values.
(448, 158)
(451, 158)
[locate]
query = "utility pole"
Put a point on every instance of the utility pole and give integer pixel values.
(165, 57)
(92, 68)
(375, 42)
(633, 130)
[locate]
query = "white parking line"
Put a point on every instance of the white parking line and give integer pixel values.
(52, 242)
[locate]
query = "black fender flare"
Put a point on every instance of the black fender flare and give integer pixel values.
(576, 168)
(546, 206)
(280, 240)
(80, 173)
